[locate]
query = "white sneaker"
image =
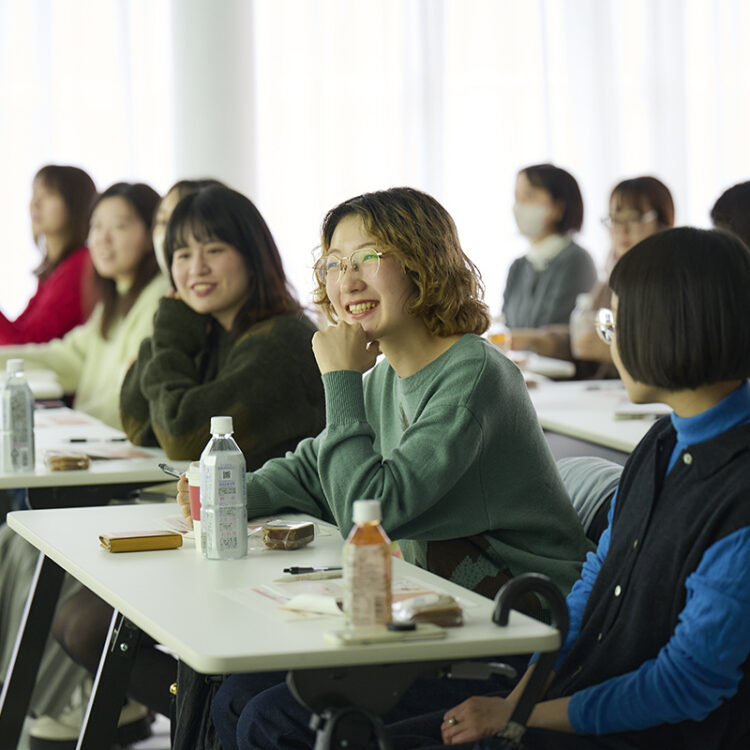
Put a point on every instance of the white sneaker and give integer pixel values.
(61, 733)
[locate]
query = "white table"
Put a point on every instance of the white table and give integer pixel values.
(59, 429)
(190, 605)
(587, 412)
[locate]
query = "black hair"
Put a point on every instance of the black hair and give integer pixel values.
(562, 186)
(683, 312)
(143, 199)
(732, 211)
(220, 213)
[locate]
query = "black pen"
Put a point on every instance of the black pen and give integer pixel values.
(97, 440)
(294, 570)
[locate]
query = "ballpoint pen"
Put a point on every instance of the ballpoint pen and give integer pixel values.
(294, 570)
(167, 469)
(97, 440)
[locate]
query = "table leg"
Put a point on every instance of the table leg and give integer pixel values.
(27, 652)
(110, 684)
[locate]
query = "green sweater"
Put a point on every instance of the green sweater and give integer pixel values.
(191, 369)
(456, 456)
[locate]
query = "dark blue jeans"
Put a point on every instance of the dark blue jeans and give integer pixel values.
(250, 715)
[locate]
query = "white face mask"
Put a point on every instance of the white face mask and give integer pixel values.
(531, 219)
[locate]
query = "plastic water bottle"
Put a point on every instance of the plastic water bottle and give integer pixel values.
(17, 407)
(367, 568)
(581, 319)
(223, 494)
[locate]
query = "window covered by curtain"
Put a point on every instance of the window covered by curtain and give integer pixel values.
(323, 99)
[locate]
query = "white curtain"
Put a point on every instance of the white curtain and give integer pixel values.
(322, 99)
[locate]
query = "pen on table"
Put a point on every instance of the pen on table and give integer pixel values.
(294, 570)
(318, 575)
(97, 440)
(167, 469)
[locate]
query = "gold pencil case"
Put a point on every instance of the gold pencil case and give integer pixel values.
(137, 541)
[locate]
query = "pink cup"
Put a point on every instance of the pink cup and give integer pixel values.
(194, 487)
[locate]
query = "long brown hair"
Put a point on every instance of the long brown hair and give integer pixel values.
(144, 200)
(78, 192)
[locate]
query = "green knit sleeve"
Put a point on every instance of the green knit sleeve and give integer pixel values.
(289, 484)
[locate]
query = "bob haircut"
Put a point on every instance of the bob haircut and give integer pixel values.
(218, 213)
(683, 314)
(732, 211)
(421, 234)
(78, 192)
(562, 186)
(144, 200)
(645, 194)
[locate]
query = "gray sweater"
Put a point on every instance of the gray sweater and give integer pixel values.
(540, 298)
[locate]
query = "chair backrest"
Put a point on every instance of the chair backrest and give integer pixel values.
(590, 482)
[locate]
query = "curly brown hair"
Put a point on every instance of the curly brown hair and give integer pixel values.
(417, 230)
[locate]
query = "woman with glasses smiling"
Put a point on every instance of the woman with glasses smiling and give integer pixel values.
(441, 432)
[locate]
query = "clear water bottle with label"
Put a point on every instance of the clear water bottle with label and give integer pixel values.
(17, 409)
(223, 494)
(367, 568)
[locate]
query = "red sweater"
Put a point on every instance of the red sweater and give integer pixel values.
(57, 306)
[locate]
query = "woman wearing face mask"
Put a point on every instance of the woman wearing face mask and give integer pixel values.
(542, 285)
(60, 206)
(90, 361)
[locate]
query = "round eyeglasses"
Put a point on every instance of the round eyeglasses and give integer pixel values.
(329, 268)
(605, 325)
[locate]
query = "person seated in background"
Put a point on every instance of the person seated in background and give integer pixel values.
(60, 207)
(441, 431)
(731, 212)
(90, 361)
(638, 207)
(658, 650)
(542, 285)
(231, 340)
(171, 198)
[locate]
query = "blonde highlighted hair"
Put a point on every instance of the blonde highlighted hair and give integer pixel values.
(420, 233)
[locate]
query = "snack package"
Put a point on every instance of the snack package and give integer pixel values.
(285, 535)
(66, 461)
(439, 609)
